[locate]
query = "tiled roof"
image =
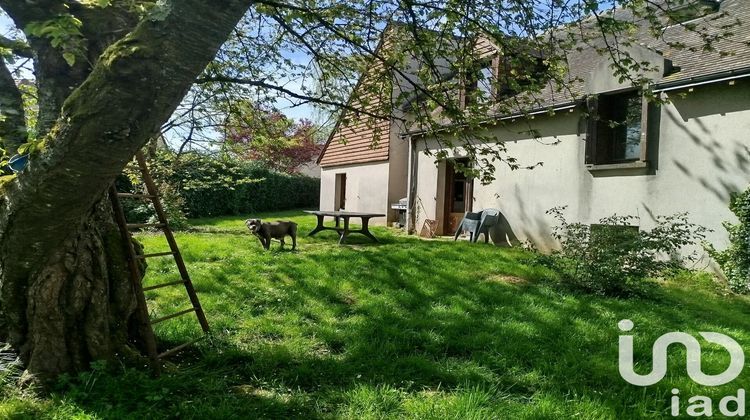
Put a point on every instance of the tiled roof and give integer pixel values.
(696, 64)
(692, 61)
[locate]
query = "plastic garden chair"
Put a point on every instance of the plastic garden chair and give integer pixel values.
(477, 223)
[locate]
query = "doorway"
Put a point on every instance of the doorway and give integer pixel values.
(340, 193)
(459, 195)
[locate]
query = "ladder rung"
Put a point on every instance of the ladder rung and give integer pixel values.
(129, 195)
(145, 225)
(164, 318)
(159, 286)
(156, 254)
(178, 348)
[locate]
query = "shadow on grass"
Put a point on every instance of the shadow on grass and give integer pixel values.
(299, 334)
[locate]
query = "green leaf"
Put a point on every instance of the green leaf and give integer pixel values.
(99, 3)
(96, 3)
(7, 178)
(63, 32)
(70, 58)
(159, 11)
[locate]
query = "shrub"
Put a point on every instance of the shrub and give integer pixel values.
(197, 185)
(216, 187)
(142, 211)
(735, 260)
(615, 257)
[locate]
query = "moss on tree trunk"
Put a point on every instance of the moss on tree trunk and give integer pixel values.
(65, 294)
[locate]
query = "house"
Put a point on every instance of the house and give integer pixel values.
(364, 161)
(685, 155)
(354, 176)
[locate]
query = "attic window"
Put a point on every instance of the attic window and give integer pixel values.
(486, 81)
(503, 77)
(481, 86)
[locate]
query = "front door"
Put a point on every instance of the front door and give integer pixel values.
(458, 196)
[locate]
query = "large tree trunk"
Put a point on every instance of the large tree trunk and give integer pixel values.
(80, 303)
(65, 297)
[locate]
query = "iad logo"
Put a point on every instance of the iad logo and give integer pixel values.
(700, 405)
(693, 348)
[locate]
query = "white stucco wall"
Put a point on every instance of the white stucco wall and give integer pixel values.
(366, 188)
(371, 187)
(703, 156)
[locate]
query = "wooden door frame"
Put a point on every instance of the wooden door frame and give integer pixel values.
(448, 197)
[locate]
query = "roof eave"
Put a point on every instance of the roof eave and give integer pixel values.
(722, 76)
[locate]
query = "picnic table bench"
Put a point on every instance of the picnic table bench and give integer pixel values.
(345, 215)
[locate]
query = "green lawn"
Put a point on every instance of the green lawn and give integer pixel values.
(407, 328)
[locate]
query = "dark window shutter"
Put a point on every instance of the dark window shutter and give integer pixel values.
(592, 111)
(647, 109)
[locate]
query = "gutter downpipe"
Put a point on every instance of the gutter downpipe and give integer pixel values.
(411, 190)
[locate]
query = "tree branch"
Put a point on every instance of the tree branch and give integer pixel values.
(12, 116)
(18, 47)
(55, 78)
(24, 12)
(264, 85)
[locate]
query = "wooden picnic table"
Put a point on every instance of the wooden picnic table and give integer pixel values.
(345, 215)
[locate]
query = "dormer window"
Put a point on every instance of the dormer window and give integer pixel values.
(486, 81)
(499, 77)
(481, 83)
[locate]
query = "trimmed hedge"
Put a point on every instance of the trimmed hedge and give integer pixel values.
(219, 186)
(254, 189)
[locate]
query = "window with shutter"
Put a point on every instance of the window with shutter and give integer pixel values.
(616, 129)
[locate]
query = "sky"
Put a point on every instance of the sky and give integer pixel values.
(299, 112)
(302, 111)
(5, 23)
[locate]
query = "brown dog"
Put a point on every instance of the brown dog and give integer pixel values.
(276, 230)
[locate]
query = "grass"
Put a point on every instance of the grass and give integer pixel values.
(406, 328)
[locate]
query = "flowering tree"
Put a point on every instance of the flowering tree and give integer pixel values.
(273, 139)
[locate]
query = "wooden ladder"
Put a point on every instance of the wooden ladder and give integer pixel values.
(144, 319)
